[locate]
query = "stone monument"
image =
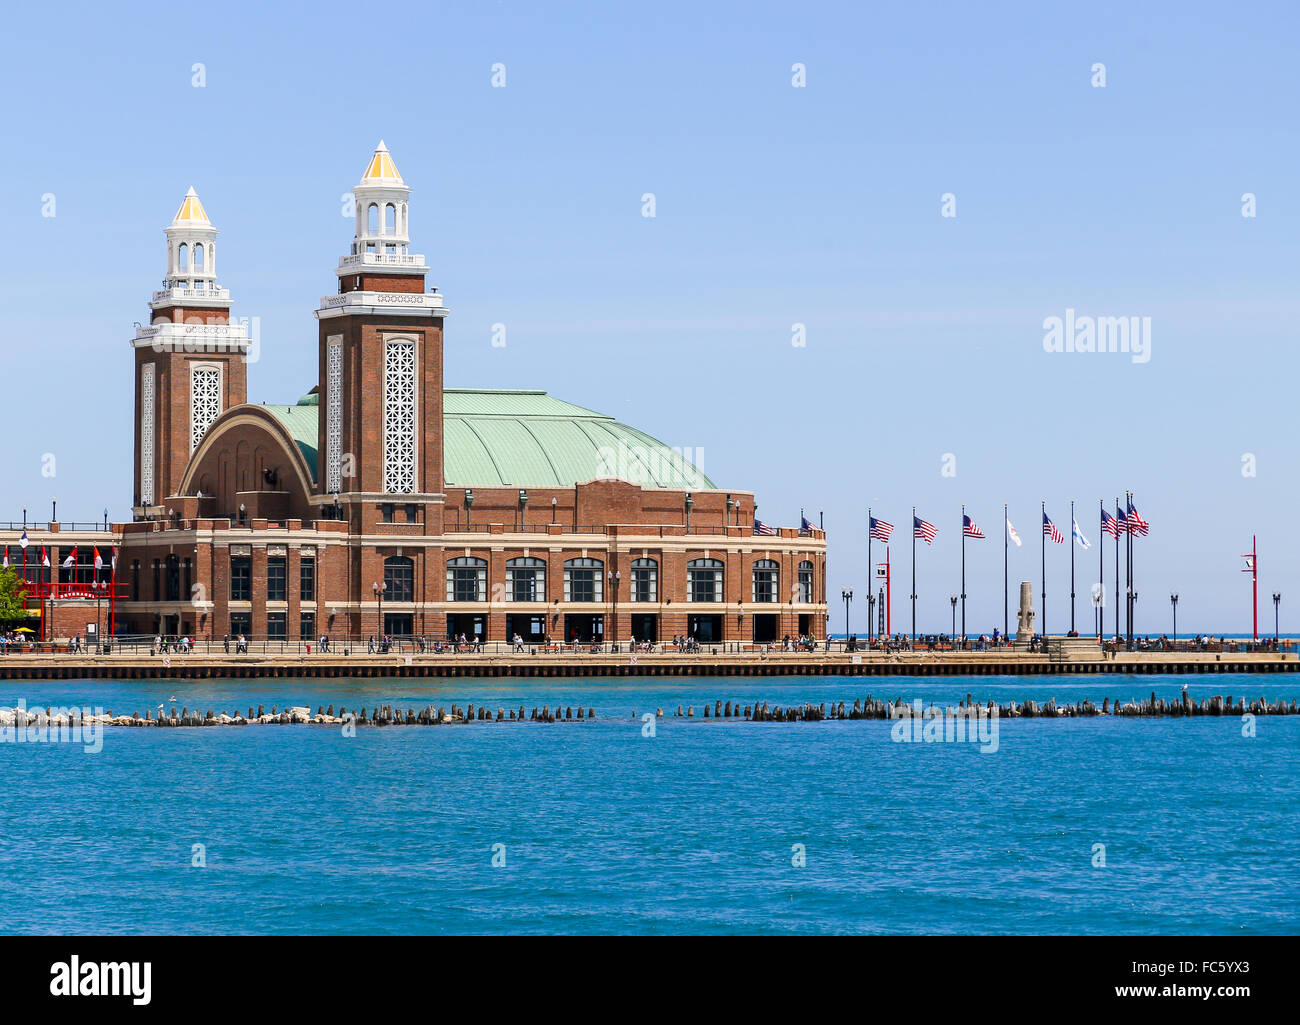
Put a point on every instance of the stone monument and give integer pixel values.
(1025, 617)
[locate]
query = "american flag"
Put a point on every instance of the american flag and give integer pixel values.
(881, 530)
(1050, 531)
(923, 530)
(1121, 524)
(968, 527)
(1136, 523)
(1110, 525)
(762, 528)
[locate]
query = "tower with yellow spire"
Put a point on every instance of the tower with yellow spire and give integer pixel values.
(190, 361)
(380, 435)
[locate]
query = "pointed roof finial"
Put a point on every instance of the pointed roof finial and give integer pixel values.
(191, 210)
(381, 167)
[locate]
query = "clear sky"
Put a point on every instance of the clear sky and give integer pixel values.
(775, 205)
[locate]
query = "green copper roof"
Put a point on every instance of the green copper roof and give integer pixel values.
(302, 422)
(525, 439)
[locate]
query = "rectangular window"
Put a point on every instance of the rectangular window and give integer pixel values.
(241, 623)
(582, 585)
(645, 584)
(307, 579)
(805, 584)
(386, 512)
(277, 624)
(277, 587)
(412, 514)
(241, 578)
(307, 626)
(466, 583)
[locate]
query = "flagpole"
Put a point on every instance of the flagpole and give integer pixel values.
(913, 572)
(1006, 533)
(1117, 568)
(963, 571)
(871, 581)
(1098, 620)
(1073, 541)
(1042, 544)
(1128, 574)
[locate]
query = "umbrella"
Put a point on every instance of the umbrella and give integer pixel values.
(24, 630)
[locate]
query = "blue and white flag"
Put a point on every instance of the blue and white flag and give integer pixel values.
(23, 540)
(1079, 539)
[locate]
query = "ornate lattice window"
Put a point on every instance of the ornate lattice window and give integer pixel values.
(205, 401)
(334, 415)
(146, 434)
(399, 417)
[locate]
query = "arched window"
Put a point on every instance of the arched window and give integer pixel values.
(645, 580)
(704, 580)
(467, 579)
(399, 578)
(198, 257)
(767, 575)
(183, 257)
(525, 579)
(584, 580)
(390, 219)
(372, 219)
(805, 582)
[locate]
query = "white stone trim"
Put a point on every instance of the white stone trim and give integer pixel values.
(207, 382)
(146, 433)
(334, 414)
(401, 415)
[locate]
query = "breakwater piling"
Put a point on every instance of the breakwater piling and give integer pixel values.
(721, 710)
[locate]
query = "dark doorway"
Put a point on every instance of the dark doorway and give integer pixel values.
(805, 625)
(532, 628)
(645, 626)
(584, 627)
(467, 623)
(705, 629)
(765, 628)
(399, 624)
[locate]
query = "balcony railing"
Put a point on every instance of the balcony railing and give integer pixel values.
(383, 260)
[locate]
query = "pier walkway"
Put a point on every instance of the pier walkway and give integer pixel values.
(290, 665)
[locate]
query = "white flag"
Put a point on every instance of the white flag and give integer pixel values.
(1011, 532)
(1083, 542)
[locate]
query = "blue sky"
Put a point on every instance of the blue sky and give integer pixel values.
(775, 206)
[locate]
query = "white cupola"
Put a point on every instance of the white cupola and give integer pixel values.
(191, 248)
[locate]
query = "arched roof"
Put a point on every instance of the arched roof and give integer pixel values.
(495, 438)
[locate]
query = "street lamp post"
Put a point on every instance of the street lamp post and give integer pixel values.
(378, 590)
(847, 595)
(953, 598)
(1173, 600)
(871, 615)
(554, 502)
(1277, 600)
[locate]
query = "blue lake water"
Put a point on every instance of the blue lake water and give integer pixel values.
(690, 831)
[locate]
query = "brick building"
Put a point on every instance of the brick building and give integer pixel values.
(382, 501)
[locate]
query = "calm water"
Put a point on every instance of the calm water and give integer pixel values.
(604, 830)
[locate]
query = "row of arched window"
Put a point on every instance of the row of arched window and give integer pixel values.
(585, 578)
(199, 249)
(390, 219)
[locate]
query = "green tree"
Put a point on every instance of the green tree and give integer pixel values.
(13, 605)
